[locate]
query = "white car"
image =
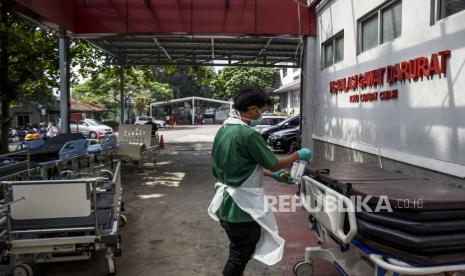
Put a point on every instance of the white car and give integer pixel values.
(90, 127)
(269, 120)
(142, 120)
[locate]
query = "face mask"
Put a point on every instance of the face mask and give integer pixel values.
(256, 121)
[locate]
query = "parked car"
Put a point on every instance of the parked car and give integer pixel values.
(282, 140)
(290, 122)
(142, 120)
(90, 127)
(269, 120)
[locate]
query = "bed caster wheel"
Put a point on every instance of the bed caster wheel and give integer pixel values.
(122, 220)
(111, 266)
(303, 269)
(23, 270)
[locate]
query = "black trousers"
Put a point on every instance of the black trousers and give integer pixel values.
(243, 237)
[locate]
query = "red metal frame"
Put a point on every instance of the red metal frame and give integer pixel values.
(212, 17)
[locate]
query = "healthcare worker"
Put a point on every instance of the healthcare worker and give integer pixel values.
(240, 159)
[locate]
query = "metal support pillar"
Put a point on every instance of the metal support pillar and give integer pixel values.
(63, 51)
(193, 111)
(121, 91)
(308, 92)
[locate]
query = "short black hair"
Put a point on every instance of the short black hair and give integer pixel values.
(251, 96)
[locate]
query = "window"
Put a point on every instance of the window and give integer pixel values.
(23, 120)
(82, 123)
(328, 49)
(295, 99)
(449, 7)
(294, 122)
(339, 49)
(392, 22)
(370, 33)
(284, 72)
(380, 26)
(333, 50)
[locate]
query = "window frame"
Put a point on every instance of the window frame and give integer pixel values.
(436, 11)
(379, 12)
(332, 40)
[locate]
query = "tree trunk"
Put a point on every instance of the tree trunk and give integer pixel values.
(5, 126)
(4, 84)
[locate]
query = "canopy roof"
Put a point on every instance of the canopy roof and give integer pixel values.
(184, 50)
(184, 32)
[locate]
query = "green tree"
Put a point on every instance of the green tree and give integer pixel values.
(186, 80)
(232, 79)
(103, 89)
(29, 68)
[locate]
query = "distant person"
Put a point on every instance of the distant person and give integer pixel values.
(154, 127)
(168, 120)
(52, 130)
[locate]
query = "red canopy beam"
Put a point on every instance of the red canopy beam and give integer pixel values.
(209, 17)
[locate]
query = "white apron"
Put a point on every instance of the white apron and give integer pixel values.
(250, 197)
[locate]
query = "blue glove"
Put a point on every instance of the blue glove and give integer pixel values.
(304, 154)
(282, 176)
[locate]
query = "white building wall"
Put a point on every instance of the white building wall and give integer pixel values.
(427, 120)
(290, 84)
(292, 76)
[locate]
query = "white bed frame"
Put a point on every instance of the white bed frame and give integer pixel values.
(137, 143)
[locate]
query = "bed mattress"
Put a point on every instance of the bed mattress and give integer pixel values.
(414, 194)
(414, 243)
(409, 225)
(415, 258)
(50, 150)
(427, 232)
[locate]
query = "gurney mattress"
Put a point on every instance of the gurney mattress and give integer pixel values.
(49, 151)
(419, 244)
(432, 225)
(356, 179)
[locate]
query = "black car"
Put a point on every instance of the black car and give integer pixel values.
(289, 123)
(282, 140)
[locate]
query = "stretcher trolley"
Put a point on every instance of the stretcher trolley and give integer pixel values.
(370, 221)
(105, 149)
(57, 153)
(14, 169)
(136, 143)
(61, 220)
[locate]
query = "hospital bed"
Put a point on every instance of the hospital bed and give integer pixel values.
(422, 233)
(11, 168)
(137, 143)
(106, 149)
(50, 149)
(61, 219)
